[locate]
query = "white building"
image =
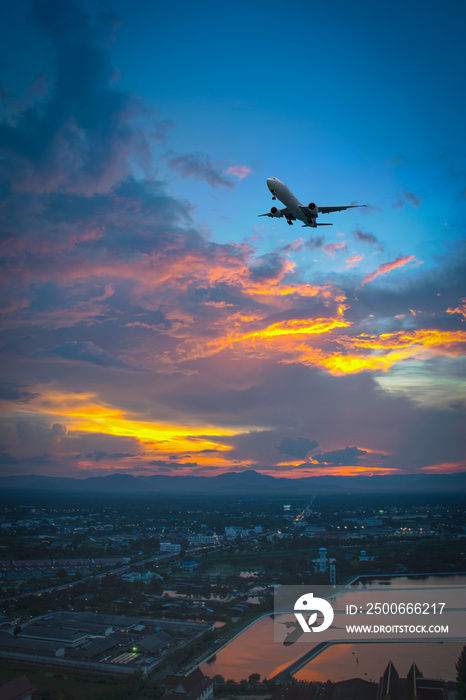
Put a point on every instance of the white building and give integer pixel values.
(322, 562)
(204, 540)
(170, 548)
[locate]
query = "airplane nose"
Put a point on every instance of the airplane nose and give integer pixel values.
(270, 182)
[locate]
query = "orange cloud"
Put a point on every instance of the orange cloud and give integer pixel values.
(353, 260)
(283, 338)
(390, 348)
(445, 467)
(86, 413)
(460, 309)
(386, 267)
(331, 471)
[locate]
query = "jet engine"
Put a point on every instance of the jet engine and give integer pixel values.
(313, 209)
(275, 211)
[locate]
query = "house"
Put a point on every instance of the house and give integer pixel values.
(195, 686)
(18, 689)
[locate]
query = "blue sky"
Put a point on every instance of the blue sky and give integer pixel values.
(152, 321)
(344, 102)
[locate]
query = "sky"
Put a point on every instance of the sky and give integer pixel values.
(152, 323)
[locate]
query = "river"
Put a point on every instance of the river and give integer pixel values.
(255, 651)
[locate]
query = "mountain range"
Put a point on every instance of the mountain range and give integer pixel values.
(246, 482)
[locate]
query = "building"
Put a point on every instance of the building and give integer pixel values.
(17, 689)
(195, 686)
(204, 540)
(170, 548)
(322, 562)
(413, 687)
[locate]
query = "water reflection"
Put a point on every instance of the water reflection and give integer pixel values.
(255, 651)
(368, 661)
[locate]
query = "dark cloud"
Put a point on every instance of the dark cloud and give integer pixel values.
(86, 351)
(200, 167)
(98, 456)
(81, 136)
(38, 431)
(38, 460)
(297, 447)
(6, 458)
(366, 237)
(171, 466)
(315, 242)
(408, 197)
(15, 392)
(268, 266)
(346, 457)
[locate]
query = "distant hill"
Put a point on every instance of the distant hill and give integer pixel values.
(246, 482)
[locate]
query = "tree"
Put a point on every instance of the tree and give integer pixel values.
(461, 675)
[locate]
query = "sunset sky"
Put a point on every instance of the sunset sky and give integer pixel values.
(151, 321)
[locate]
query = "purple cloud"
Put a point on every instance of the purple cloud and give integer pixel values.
(200, 167)
(86, 351)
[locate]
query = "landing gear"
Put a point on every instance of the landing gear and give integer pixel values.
(289, 222)
(274, 198)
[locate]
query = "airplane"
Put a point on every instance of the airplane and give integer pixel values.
(294, 209)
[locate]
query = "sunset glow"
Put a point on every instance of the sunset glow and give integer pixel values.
(152, 323)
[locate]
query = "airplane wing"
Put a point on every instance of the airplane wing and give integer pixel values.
(327, 210)
(283, 212)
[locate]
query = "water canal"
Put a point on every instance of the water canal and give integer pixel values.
(255, 651)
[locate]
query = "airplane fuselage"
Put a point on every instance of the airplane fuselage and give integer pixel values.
(295, 210)
(292, 203)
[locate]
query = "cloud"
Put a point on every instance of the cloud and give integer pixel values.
(387, 267)
(239, 171)
(86, 351)
(162, 129)
(366, 237)
(239, 349)
(83, 135)
(171, 466)
(7, 459)
(332, 248)
(460, 309)
(98, 455)
(408, 197)
(200, 167)
(267, 267)
(350, 262)
(348, 456)
(297, 447)
(33, 431)
(15, 392)
(315, 242)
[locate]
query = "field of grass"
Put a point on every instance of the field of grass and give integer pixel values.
(63, 684)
